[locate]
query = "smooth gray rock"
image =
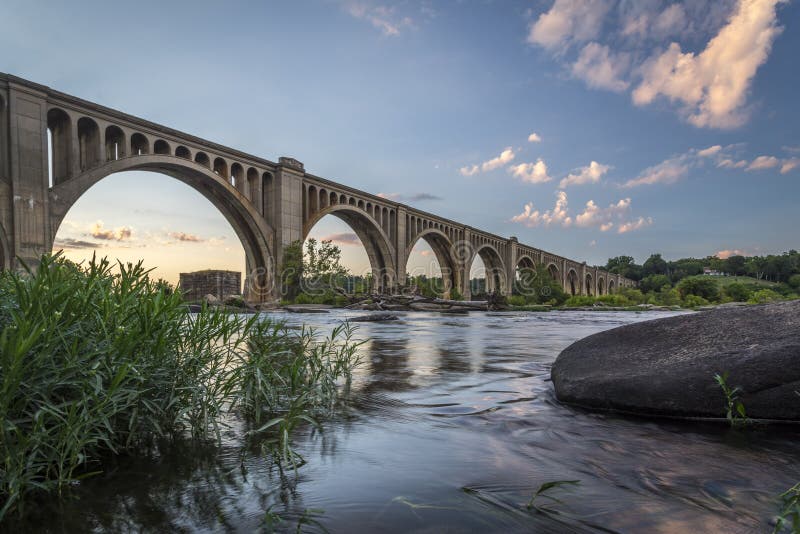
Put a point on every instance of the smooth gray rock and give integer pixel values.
(667, 366)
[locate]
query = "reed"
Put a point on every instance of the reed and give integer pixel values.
(95, 362)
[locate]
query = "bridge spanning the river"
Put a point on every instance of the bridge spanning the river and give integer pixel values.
(268, 204)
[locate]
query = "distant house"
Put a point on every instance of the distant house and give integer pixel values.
(713, 272)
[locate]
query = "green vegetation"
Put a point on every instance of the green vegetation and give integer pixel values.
(536, 286)
(790, 510)
(94, 364)
(736, 414)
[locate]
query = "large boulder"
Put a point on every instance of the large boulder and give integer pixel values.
(667, 366)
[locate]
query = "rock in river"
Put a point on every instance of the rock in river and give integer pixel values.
(667, 366)
(374, 318)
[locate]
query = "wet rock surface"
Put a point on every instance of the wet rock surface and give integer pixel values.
(667, 366)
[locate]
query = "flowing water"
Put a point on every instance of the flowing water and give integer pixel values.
(452, 426)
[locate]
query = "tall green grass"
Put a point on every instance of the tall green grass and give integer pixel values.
(95, 362)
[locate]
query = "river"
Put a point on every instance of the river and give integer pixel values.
(453, 426)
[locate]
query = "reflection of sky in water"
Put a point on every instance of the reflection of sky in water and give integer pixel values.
(453, 424)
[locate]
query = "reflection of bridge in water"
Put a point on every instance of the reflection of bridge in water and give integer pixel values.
(268, 204)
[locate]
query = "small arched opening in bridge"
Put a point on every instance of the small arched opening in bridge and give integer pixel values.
(601, 285)
(201, 158)
(88, 143)
(221, 168)
(115, 143)
(59, 141)
(382, 275)
(573, 282)
(431, 267)
(486, 271)
(612, 286)
(524, 276)
(183, 152)
(237, 177)
(588, 285)
(139, 145)
(161, 147)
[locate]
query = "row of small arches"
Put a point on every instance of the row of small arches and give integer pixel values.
(96, 146)
(317, 199)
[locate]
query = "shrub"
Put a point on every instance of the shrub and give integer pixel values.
(738, 292)
(763, 296)
(578, 301)
(654, 282)
(701, 287)
(634, 296)
(693, 301)
(794, 281)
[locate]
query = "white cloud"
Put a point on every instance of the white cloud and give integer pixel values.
(592, 216)
(383, 18)
(637, 224)
(728, 163)
(505, 157)
(568, 20)
(667, 172)
(725, 254)
(789, 165)
(534, 173)
(534, 138)
(558, 215)
(713, 85)
(763, 162)
(469, 170)
(710, 151)
(589, 174)
(600, 68)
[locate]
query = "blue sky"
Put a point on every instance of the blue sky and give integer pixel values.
(660, 126)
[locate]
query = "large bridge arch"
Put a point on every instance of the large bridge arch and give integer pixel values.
(252, 230)
(377, 244)
(495, 267)
(444, 251)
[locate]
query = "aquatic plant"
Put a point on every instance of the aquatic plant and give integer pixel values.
(543, 493)
(95, 362)
(736, 413)
(790, 510)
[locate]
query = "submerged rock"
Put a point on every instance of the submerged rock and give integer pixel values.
(374, 318)
(667, 366)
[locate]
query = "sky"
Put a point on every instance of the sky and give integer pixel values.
(589, 128)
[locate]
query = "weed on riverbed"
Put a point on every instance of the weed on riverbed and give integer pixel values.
(543, 493)
(94, 363)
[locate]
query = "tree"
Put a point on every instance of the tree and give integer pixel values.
(538, 287)
(655, 264)
(625, 266)
(738, 292)
(291, 274)
(322, 267)
(735, 265)
(654, 282)
(701, 287)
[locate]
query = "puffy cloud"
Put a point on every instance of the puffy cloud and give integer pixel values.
(383, 18)
(188, 238)
(534, 138)
(531, 217)
(505, 157)
(713, 85)
(534, 173)
(763, 162)
(585, 175)
(603, 218)
(710, 151)
(592, 216)
(568, 21)
(789, 165)
(98, 231)
(636, 224)
(346, 238)
(600, 68)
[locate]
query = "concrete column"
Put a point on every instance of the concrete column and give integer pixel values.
(463, 254)
(512, 255)
(30, 221)
(286, 206)
(582, 285)
(400, 245)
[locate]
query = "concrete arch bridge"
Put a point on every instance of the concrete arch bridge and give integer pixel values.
(268, 204)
